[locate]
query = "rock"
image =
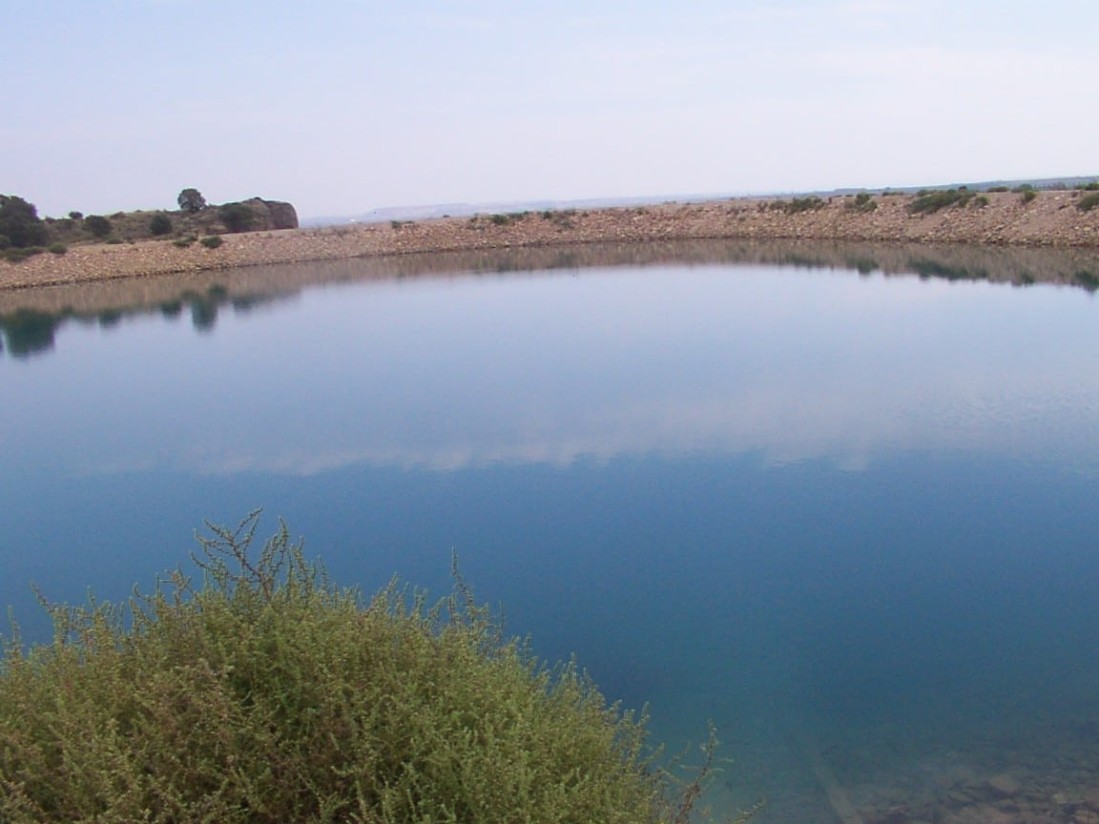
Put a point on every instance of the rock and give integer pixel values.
(1003, 786)
(272, 214)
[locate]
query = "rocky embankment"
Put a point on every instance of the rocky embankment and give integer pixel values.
(1001, 218)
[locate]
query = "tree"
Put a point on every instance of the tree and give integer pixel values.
(98, 225)
(191, 200)
(20, 224)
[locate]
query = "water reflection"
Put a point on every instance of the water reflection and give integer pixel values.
(449, 373)
(30, 318)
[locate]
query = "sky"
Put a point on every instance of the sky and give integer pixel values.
(344, 106)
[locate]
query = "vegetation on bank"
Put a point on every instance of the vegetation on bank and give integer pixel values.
(269, 694)
(23, 233)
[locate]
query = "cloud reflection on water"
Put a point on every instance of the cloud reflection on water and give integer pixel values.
(789, 364)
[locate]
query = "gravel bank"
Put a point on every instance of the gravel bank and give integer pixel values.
(1051, 219)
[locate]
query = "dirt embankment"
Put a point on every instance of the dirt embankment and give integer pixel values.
(1000, 218)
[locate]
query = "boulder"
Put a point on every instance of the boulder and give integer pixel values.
(271, 214)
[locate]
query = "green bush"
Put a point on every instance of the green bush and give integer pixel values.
(1028, 194)
(58, 248)
(17, 254)
(211, 241)
(97, 225)
(804, 204)
(927, 202)
(271, 695)
(237, 217)
(184, 242)
(160, 224)
(5, 242)
(1088, 202)
(19, 222)
(863, 202)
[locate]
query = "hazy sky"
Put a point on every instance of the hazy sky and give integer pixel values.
(341, 106)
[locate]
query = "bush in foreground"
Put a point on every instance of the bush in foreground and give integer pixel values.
(270, 695)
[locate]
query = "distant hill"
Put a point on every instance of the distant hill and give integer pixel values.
(385, 214)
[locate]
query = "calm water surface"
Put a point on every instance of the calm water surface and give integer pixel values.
(850, 518)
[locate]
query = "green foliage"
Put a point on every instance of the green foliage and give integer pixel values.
(76, 215)
(804, 204)
(928, 202)
(58, 248)
(184, 242)
(271, 695)
(237, 217)
(211, 241)
(1088, 202)
(793, 207)
(17, 254)
(160, 224)
(1028, 194)
(863, 202)
(191, 200)
(979, 202)
(97, 225)
(5, 242)
(20, 224)
(1092, 186)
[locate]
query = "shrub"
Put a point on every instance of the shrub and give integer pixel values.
(211, 241)
(58, 248)
(160, 224)
(237, 217)
(804, 204)
(1088, 202)
(927, 202)
(17, 254)
(97, 225)
(19, 222)
(979, 202)
(1028, 194)
(1093, 186)
(270, 695)
(184, 242)
(76, 215)
(862, 203)
(5, 242)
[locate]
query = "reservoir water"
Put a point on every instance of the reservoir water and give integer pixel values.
(841, 501)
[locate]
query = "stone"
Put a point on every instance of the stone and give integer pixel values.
(1003, 786)
(272, 214)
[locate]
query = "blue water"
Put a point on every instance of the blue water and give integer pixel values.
(848, 518)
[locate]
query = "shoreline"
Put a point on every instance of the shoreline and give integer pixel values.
(1050, 219)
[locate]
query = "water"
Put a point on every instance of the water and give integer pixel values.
(848, 517)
